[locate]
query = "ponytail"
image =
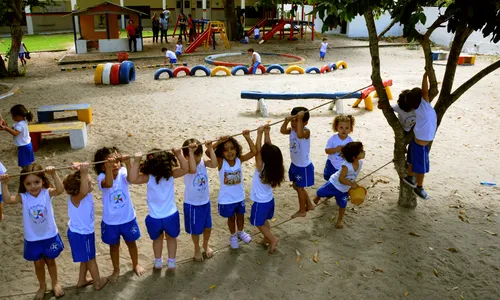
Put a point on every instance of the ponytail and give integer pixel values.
(19, 110)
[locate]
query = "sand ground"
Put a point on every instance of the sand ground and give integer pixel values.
(373, 257)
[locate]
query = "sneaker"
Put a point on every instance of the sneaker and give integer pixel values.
(419, 191)
(158, 263)
(245, 237)
(171, 264)
(233, 242)
(410, 180)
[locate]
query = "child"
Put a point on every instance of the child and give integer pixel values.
(170, 55)
(256, 33)
(425, 129)
(79, 187)
(178, 49)
(197, 218)
(407, 119)
(232, 191)
(256, 61)
(245, 39)
(2, 171)
(322, 49)
(118, 213)
(20, 132)
(301, 171)
(343, 125)
(22, 54)
(42, 243)
(269, 173)
(159, 171)
(339, 183)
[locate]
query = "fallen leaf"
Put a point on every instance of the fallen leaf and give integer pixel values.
(453, 250)
(430, 248)
(490, 232)
(382, 227)
(337, 262)
(327, 273)
(379, 270)
(258, 262)
(462, 218)
(300, 266)
(363, 275)
(298, 255)
(462, 297)
(332, 219)
(462, 212)
(129, 134)
(454, 206)
(379, 242)
(213, 287)
(481, 249)
(420, 274)
(316, 242)
(315, 256)
(436, 273)
(406, 294)
(273, 219)
(454, 288)
(414, 233)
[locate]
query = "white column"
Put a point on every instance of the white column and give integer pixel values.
(123, 17)
(204, 7)
(164, 4)
(29, 20)
(74, 7)
(243, 7)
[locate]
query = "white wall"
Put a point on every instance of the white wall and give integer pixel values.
(357, 27)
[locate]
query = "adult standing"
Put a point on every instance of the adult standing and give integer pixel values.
(163, 28)
(192, 32)
(131, 36)
(182, 25)
(156, 27)
(166, 12)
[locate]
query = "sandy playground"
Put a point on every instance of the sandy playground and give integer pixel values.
(373, 257)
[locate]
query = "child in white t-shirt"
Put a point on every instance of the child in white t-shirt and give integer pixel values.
(256, 33)
(178, 49)
(406, 116)
(322, 49)
(170, 55)
(21, 134)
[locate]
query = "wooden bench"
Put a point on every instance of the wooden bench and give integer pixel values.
(77, 133)
(84, 111)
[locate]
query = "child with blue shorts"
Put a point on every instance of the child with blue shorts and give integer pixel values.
(343, 125)
(269, 173)
(322, 49)
(118, 213)
(301, 171)
(158, 172)
(172, 58)
(256, 60)
(256, 33)
(344, 179)
(197, 217)
(178, 49)
(2, 171)
(42, 243)
(21, 134)
(79, 187)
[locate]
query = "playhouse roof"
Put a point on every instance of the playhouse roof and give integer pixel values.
(114, 9)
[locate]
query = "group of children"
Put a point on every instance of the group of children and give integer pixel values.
(172, 56)
(256, 35)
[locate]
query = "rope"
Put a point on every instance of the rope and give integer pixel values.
(369, 174)
(234, 135)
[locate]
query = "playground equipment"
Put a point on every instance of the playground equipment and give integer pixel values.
(77, 133)
(208, 36)
(313, 69)
(439, 55)
(239, 68)
(200, 67)
(12, 91)
(220, 68)
(290, 69)
(164, 70)
(181, 69)
(45, 113)
(114, 73)
(365, 95)
(275, 67)
(211, 59)
(261, 68)
(466, 59)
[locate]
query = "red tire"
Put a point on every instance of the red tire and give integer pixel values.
(261, 68)
(325, 69)
(114, 76)
(181, 69)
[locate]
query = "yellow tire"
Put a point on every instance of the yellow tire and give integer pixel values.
(220, 68)
(341, 65)
(98, 74)
(290, 69)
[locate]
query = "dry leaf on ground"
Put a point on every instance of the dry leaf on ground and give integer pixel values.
(315, 256)
(379, 270)
(436, 273)
(453, 250)
(490, 232)
(414, 234)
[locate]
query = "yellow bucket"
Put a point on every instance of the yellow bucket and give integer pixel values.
(357, 195)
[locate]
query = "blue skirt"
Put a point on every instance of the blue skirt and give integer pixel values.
(25, 155)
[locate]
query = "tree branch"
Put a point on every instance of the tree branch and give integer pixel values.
(473, 80)
(16, 8)
(393, 22)
(440, 20)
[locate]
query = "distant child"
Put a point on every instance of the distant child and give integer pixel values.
(21, 134)
(339, 183)
(158, 172)
(245, 39)
(170, 55)
(3, 170)
(269, 173)
(424, 130)
(343, 125)
(81, 236)
(178, 49)
(256, 33)
(118, 213)
(322, 49)
(256, 61)
(42, 243)
(23, 54)
(301, 171)
(197, 217)
(407, 119)
(232, 190)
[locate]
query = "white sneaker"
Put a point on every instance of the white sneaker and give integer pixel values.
(158, 263)
(233, 241)
(171, 264)
(245, 237)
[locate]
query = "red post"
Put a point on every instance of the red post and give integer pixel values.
(312, 25)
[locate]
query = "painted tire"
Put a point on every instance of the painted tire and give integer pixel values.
(220, 68)
(341, 64)
(200, 67)
(106, 72)
(127, 72)
(238, 68)
(312, 69)
(98, 74)
(164, 70)
(325, 69)
(181, 69)
(333, 66)
(261, 68)
(275, 67)
(114, 76)
(290, 69)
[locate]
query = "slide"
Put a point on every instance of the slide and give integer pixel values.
(272, 32)
(198, 41)
(260, 24)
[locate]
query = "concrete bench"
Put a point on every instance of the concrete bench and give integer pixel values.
(84, 112)
(77, 133)
(465, 59)
(439, 55)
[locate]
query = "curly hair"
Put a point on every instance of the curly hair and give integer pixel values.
(185, 147)
(298, 109)
(39, 173)
(351, 150)
(220, 148)
(343, 119)
(101, 155)
(273, 172)
(19, 110)
(72, 183)
(160, 164)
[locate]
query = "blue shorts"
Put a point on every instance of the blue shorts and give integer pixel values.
(197, 218)
(301, 176)
(261, 212)
(243, 41)
(25, 155)
(21, 55)
(82, 246)
(1, 200)
(329, 170)
(110, 234)
(173, 61)
(178, 53)
(229, 210)
(328, 190)
(49, 248)
(418, 157)
(257, 36)
(171, 225)
(322, 54)
(255, 67)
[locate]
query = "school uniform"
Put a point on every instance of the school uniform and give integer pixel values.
(407, 119)
(3, 170)
(178, 50)
(256, 33)
(263, 201)
(334, 161)
(163, 214)
(197, 215)
(25, 154)
(322, 50)
(333, 187)
(171, 56)
(257, 62)
(424, 130)
(301, 170)
(232, 191)
(81, 234)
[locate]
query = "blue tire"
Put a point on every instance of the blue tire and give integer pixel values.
(127, 72)
(275, 67)
(200, 67)
(238, 68)
(333, 66)
(313, 69)
(164, 70)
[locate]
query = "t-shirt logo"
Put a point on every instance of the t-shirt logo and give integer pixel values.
(118, 199)
(38, 213)
(294, 146)
(232, 177)
(200, 182)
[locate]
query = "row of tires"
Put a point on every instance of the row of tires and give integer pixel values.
(114, 73)
(234, 71)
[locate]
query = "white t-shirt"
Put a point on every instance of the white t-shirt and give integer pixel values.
(166, 12)
(178, 48)
(324, 45)
(170, 54)
(299, 150)
(23, 138)
(260, 192)
(246, 39)
(2, 171)
(38, 216)
(117, 207)
(425, 122)
(21, 49)
(407, 119)
(161, 197)
(81, 218)
(232, 189)
(333, 142)
(196, 191)
(256, 31)
(351, 175)
(256, 56)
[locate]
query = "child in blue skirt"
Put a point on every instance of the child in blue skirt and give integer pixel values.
(21, 134)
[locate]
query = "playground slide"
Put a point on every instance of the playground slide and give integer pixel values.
(198, 41)
(260, 24)
(273, 31)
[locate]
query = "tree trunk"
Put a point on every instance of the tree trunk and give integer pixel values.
(426, 47)
(3, 69)
(17, 36)
(230, 15)
(406, 197)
